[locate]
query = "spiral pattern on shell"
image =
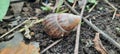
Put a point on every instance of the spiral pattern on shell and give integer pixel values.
(59, 25)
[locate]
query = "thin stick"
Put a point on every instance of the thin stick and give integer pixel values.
(93, 6)
(21, 30)
(50, 46)
(74, 3)
(115, 9)
(98, 30)
(74, 11)
(13, 29)
(103, 34)
(38, 21)
(103, 13)
(76, 50)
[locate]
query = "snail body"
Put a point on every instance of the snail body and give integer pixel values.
(59, 25)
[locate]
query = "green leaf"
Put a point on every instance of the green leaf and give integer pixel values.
(87, 7)
(92, 1)
(71, 1)
(4, 4)
(58, 5)
(45, 8)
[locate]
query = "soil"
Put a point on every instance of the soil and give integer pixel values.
(102, 18)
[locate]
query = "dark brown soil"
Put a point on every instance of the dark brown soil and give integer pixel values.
(67, 45)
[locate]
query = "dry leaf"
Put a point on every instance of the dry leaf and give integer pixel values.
(98, 45)
(27, 32)
(8, 17)
(17, 7)
(22, 48)
(38, 11)
(18, 37)
(2, 30)
(118, 15)
(16, 46)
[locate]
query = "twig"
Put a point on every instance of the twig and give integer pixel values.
(74, 3)
(38, 21)
(74, 11)
(76, 50)
(103, 13)
(93, 6)
(21, 30)
(78, 29)
(50, 46)
(97, 29)
(13, 29)
(115, 9)
(103, 34)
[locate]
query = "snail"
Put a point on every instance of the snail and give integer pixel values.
(58, 25)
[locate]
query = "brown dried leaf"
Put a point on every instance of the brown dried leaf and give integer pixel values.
(2, 30)
(17, 7)
(98, 45)
(38, 11)
(22, 48)
(118, 15)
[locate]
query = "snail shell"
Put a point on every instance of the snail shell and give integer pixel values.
(58, 25)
